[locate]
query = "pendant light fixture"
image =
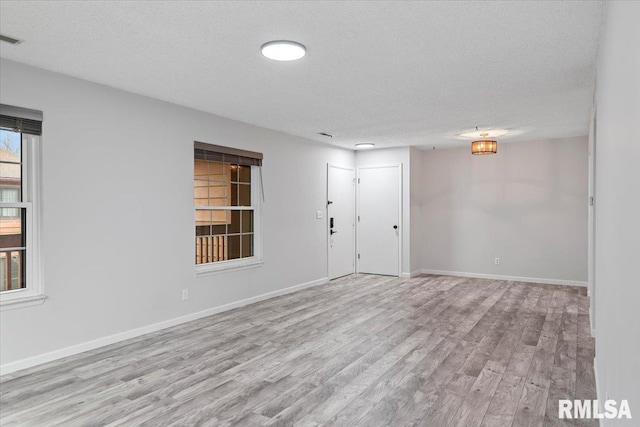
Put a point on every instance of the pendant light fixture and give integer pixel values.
(485, 145)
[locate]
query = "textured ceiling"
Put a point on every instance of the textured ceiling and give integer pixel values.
(392, 73)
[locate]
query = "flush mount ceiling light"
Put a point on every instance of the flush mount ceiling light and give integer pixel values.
(283, 50)
(365, 145)
(484, 146)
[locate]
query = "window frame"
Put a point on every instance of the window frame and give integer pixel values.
(240, 263)
(33, 292)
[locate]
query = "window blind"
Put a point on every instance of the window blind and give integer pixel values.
(21, 119)
(219, 153)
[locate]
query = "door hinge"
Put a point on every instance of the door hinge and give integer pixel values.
(591, 201)
(358, 218)
(358, 256)
(358, 180)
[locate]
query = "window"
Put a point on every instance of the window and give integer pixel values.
(226, 200)
(19, 258)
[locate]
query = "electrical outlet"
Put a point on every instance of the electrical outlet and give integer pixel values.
(497, 261)
(319, 214)
(185, 294)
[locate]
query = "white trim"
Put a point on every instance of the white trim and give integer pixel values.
(500, 277)
(595, 375)
(8, 368)
(591, 216)
(414, 273)
(338, 166)
(400, 219)
(384, 165)
(227, 266)
(33, 293)
(21, 302)
(224, 208)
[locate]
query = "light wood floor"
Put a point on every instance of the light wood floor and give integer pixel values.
(362, 350)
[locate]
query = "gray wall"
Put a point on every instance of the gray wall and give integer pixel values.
(118, 241)
(617, 248)
(526, 205)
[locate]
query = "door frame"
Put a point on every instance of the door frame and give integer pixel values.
(326, 214)
(400, 213)
(591, 219)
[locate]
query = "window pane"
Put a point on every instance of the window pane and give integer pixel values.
(218, 229)
(12, 228)
(247, 245)
(244, 174)
(247, 221)
(10, 195)
(211, 222)
(218, 171)
(203, 217)
(219, 194)
(212, 183)
(211, 249)
(234, 225)
(245, 194)
(221, 217)
(12, 270)
(203, 230)
(222, 234)
(218, 235)
(201, 170)
(10, 177)
(234, 194)
(12, 237)
(200, 192)
(11, 142)
(234, 247)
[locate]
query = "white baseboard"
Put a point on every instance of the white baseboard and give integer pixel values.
(29, 362)
(414, 273)
(498, 277)
(598, 394)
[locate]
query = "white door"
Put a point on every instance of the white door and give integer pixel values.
(378, 231)
(341, 200)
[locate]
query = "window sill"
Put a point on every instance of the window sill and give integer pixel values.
(211, 269)
(21, 302)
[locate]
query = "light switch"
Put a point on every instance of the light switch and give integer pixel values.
(319, 214)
